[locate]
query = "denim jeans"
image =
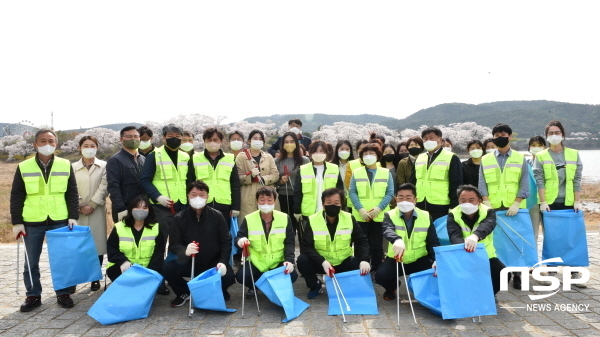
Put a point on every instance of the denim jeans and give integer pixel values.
(34, 240)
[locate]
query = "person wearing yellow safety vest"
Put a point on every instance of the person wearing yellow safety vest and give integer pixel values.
(437, 175)
(269, 236)
(352, 165)
(371, 190)
(327, 245)
(411, 235)
(43, 197)
(342, 156)
(471, 222)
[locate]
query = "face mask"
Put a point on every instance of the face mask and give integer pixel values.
(501, 141)
(139, 214)
(256, 144)
(535, 149)
(430, 145)
(415, 151)
(266, 208)
(332, 210)
(131, 144)
(389, 157)
(186, 147)
(468, 208)
(369, 159)
(448, 149)
(197, 202)
(318, 157)
(236, 145)
(402, 156)
(173, 143)
(46, 150)
(406, 206)
(344, 154)
(476, 153)
(212, 147)
(490, 150)
(289, 148)
(88, 153)
(554, 139)
(144, 144)
(295, 130)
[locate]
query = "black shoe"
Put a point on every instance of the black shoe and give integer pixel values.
(517, 282)
(250, 294)
(30, 303)
(72, 289)
(163, 290)
(389, 295)
(95, 286)
(65, 301)
(180, 300)
(315, 291)
(226, 295)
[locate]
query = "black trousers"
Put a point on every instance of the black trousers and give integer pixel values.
(386, 274)
(496, 267)
(257, 274)
(374, 233)
(559, 205)
(309, 268)
(286, 202)
(174, 272)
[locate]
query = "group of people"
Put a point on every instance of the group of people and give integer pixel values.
(366, 207)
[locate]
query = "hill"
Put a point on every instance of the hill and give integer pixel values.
(311, 122)
(115, 127)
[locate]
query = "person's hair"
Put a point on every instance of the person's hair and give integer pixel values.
(236, 132)
(125, 129)
(266, 191)
(210, 132)
(374, 135)
(253, 132)
(407, 186)
(471, 188)
(295, 120)
(395, 160)
(555, 123)
(92, 138)
(538, 139)
(304, 151)
(171, 128)
(375, 147)
(296, 154)
(329, 150)
(360, 142)
(336, 156)
(198, 184)
(145, 130)
(447, 140)
(415, 139)
(190, 134)
(501, 127)
(314, 146)
(400, 145)
(431, 129)
(41, 131)
(473, 142)
(333, 191)
(128, 220)
(486, 142)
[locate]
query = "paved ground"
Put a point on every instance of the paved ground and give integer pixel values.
(51, 320)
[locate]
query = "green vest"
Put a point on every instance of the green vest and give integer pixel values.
(551, 175)
(370, 195)
(503, 185)
(175, 175)
(416, 245)
(45, 199)
(309, 185)
(218, 179)
(466, 231)
(433, 183)
(266, 255)
(353, 164)
(340, 248)
(136, 254)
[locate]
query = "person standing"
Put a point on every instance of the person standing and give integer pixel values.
(537, 144)
(236, 143)
(447, 144)
(295, 126)
(389, 160)
(146, 145)
(342, 156)
(489, 146)
(406, 166)
(43, 197)
(470, 167)
(187, 143)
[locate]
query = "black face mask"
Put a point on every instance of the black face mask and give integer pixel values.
(402, 156)
(173, 143)
(388, 157)
(415, 151)
(332, 210)
(501, 141)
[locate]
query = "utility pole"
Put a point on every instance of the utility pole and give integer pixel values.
(52, 120)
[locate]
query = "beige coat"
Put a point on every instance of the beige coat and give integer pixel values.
(268, 170)
(91, 185)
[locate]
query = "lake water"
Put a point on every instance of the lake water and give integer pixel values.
(591, 160)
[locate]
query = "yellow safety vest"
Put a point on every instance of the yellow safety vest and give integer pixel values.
(416, 245)
(266, 255)
(217, 179)
(175, 175)
(309, 185)
(45, 199)
(466, 231)
(142, 253)
(433, 183)
(503, 185)
(370, 195)
(551, 175)
(340, 248)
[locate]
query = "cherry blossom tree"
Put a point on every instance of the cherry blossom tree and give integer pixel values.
(15, 146)
(459, 133)
(354, 132)
(108, 139)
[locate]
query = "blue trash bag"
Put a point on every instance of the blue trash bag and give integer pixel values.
(515, 249)
(233, 230)
(207, 292)
(424, 287)
(73, 256)
(464, 282)
(358, 291)
(170, 257)
(442, 230)
(277, 286)
(565, 237)
(532, 199)
(129, 297)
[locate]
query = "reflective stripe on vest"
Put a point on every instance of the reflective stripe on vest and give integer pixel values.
(141, 253)
(45, 199)
(266, 255)
(175, 175)
(551, 175)
(309, 185)
(370, 195)
(217, 179)
(466, 231)
(416, 245)
(433, 183)
(340, 248)
(503, 185)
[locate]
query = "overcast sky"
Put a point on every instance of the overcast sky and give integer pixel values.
(120, 61)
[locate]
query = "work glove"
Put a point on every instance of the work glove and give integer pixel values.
(398, 248)
(374, 212)
(577, 206)
(243, 242)
(222, 269)
(192, 248)
(121, 215)
(124, 266)
(289, 267)
(17, 229)
(513, 209)
(364, 215)
(298, 217)
(255, 172)
(364, 267)
(434, 266)
(234, 214)
(328, 268)
(166, 202)
(544, 207)
(488, 204)
(71, 223)
(471, 243)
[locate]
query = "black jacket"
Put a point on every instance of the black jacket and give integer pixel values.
(389, 233)
(470, 172)
(114, 254)
(289, 242)
(486, 226)
(123, 177)
(18, 195)
(298, 195)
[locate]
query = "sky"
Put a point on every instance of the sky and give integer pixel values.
(103, 62)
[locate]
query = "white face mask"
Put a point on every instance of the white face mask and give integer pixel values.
(212, 147)
(535, 149)
(256, 144)
(236, 145)
(406, 206)
(430, 145)
(266, 208)
(318, 157)
(46, 150)
(555, 139)
(88, 153)
(476, 153)
(144, 144)
(448, 149)
(186, 147)
(197, 202)
(295, 130)
(369, 159)
(468, 208)
(490, 150)
(344, 154)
